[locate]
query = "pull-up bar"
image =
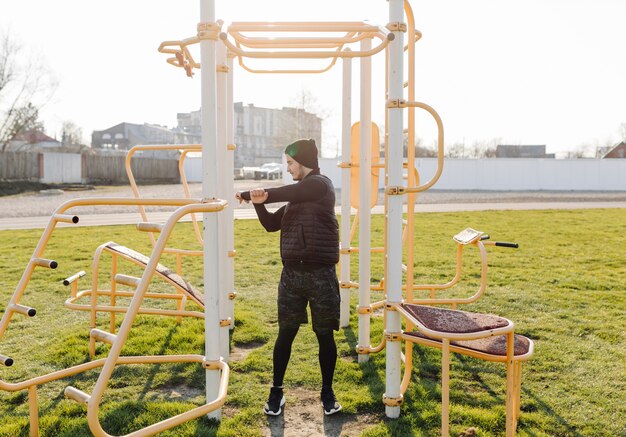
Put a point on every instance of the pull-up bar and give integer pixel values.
(273, 47)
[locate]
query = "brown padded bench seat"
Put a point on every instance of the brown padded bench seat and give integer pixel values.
(457, 322)
(453, 321)
(167, 274)
(489, 345)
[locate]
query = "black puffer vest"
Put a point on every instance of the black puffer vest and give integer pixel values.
(309, 231)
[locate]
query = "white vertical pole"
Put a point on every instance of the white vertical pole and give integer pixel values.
(209, 190)
(393, 281)
(365, 182)
(346, 142)
(230, 192)
(223, 190)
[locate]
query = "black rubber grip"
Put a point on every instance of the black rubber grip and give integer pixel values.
(503, 244)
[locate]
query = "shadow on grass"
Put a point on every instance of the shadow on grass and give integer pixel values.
(429, 372)
(426, 391)
(544, 407)
(156, 368)
(114, 419)
(371, 377)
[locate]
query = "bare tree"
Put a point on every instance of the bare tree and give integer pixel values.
(484, 148)
(25, 86)
(456, 150)
(421, 150)
(302, 119)
(71, 135)
(307, 101)
(582, 151)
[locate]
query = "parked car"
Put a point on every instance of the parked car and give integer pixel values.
(249, 172)
(271, 170)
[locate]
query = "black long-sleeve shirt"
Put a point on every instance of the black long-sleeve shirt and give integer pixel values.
(307, 190)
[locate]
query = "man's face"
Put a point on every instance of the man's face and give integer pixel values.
(294, 168)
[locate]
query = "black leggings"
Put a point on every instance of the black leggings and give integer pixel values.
(282, 353)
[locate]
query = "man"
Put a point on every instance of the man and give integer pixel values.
(309, 248)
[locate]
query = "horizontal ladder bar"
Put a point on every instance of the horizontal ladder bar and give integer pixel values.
(76, 395)
(21, 309)
(42, 262)
(149, 227)
(132, 281)
(7, 361)
(66, 218)
(103, 336)
(74, 278)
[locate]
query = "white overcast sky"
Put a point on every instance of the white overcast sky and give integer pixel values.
(547, 72)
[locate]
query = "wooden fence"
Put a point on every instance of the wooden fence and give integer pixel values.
(93, 169)
(99, 169)
(19, 165)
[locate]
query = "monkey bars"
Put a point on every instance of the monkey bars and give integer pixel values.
(243, 41)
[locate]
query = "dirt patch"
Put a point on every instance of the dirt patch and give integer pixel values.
(240, 352)
(303, 416)
(182, 391)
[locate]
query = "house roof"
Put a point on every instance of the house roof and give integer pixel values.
(34, 136)
(619, 151)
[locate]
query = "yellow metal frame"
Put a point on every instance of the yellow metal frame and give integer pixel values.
(184, 150)
(443, 340)
(453, 302)
(94, 307)
(117, 341)
(245, 45)
(413, 178)
(154, 228)
(513, 368)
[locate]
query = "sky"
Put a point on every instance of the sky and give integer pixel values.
(541, 72)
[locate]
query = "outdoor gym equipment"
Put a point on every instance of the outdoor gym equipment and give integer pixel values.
(227, 254)
(323, 43)
(483, 336)
(116, 340)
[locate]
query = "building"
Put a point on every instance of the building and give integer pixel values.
(33, 141)
(37, 141)
(261, 134)
(619, 151)
(124, 136)
(504, 151)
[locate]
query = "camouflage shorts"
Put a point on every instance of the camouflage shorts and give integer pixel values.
(319, 288)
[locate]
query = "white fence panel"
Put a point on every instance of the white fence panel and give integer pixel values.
(62, 168)
(193, 168)
(513, 174)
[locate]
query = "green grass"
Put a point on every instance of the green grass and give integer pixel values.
(565, 287)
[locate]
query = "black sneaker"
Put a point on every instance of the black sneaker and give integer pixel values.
(274, 404)
(329, 401)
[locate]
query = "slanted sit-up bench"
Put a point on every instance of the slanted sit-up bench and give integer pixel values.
(185, 291)
(165, 273)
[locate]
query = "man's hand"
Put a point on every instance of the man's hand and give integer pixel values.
(258, 195)
(239, 198)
